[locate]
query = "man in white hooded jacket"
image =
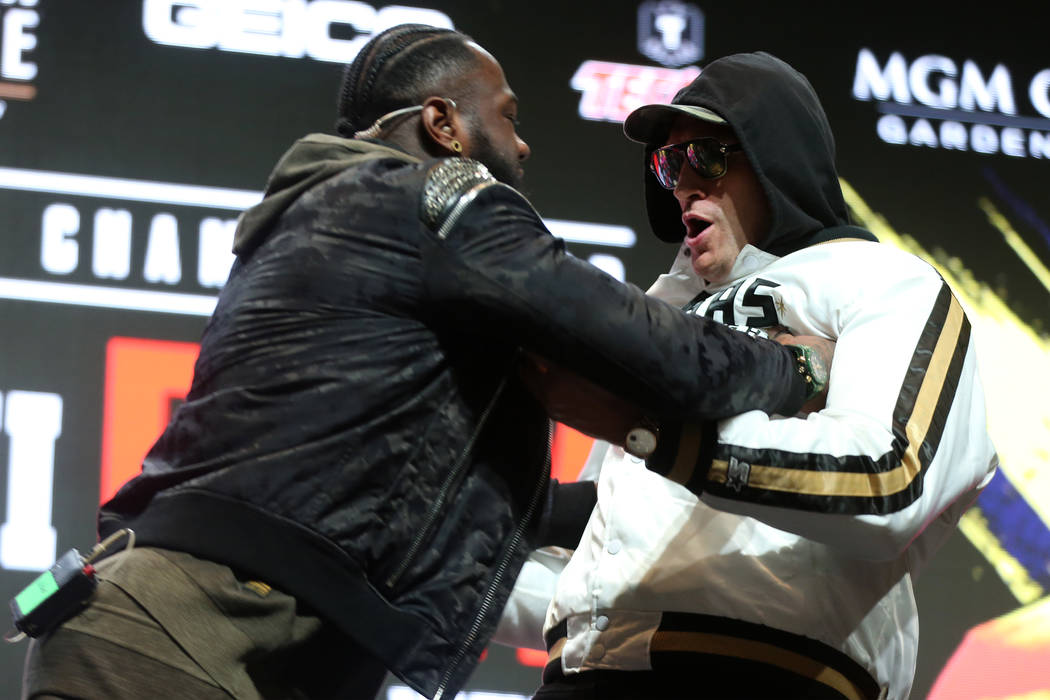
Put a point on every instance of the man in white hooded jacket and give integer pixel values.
(766, 555)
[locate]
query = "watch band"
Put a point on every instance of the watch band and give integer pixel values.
(812, 369)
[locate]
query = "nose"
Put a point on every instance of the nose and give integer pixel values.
(689, 184)
(523, 148)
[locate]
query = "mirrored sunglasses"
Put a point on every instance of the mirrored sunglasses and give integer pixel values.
(706, 155)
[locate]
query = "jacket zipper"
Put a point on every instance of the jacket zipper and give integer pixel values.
(519, 531)
(490, 593)
(450, 480)
(461, 205)
(453, 477)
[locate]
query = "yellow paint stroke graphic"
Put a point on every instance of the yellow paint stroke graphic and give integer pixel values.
(1025, 628)
(1027, 255)
(1016, 577)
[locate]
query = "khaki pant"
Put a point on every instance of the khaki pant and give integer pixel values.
(164, 624)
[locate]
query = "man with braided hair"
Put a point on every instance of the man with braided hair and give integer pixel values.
(358, 471)
(436, 60)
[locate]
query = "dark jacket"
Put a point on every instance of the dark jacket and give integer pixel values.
(356, 434)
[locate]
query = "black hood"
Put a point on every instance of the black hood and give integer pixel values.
(778, 119)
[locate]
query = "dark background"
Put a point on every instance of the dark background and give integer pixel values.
(110, 102)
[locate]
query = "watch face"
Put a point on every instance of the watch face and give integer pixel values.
(811, 364)
(817, 368)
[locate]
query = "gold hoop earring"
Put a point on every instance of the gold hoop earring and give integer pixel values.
(456, 146)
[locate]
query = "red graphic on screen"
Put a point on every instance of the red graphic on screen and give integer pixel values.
(1004, 659)
(568, 453)
(143, 379)
(532, 657)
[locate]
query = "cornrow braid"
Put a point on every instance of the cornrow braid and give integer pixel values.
(399, 68)
(370, 58)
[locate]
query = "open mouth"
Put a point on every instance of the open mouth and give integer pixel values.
(694, 227)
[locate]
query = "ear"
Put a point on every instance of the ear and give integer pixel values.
(443, 125)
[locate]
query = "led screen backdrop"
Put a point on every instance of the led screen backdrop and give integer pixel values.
(133, 132)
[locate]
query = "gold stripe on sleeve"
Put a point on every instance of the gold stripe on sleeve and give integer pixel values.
(829, 483)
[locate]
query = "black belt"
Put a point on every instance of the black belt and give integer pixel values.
(692, 643)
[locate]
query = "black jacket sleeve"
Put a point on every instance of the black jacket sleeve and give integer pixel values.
(496, 268)
(565, 513)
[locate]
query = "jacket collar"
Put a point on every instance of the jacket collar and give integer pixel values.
(681, 284)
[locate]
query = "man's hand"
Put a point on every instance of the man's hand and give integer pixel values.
(577, 402)
(822, 346)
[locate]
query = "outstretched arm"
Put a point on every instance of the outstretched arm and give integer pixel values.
(495, 267)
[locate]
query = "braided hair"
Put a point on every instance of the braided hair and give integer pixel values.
(400, 67)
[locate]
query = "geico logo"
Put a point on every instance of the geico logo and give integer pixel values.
(327, 30)
(938, 82)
